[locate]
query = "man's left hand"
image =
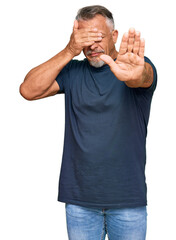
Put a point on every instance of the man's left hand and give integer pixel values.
(129, 65)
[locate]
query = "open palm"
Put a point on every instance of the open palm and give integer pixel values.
(129, 64)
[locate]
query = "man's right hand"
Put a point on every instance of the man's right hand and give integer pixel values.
(81, 38)
(40, 81)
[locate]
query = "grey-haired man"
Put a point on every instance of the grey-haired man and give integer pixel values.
(107, 104)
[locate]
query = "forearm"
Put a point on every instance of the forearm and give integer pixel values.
(145, 80)
(40, 78)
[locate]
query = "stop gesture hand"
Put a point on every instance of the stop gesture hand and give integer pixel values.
(129, 65)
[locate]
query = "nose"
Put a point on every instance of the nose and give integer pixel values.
(93, 46)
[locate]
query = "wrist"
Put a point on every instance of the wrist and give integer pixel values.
(138, 80)
(69, 51)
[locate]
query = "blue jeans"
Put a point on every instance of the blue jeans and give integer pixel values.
(94, 223)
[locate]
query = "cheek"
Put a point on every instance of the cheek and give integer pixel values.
(106, 44)
(85, 50)
(102, 46)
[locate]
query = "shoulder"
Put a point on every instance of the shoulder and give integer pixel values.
(74, 63)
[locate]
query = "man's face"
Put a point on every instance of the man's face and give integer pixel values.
(104, 46)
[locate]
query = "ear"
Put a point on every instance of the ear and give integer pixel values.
(114, 36)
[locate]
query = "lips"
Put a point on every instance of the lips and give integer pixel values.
(95, 54)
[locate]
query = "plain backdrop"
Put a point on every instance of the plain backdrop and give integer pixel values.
(32, 132)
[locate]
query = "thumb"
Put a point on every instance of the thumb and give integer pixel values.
(75, 26)
(108, 60)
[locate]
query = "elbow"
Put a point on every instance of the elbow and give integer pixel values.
(25, 93)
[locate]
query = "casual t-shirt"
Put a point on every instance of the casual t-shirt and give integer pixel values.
(104, 153)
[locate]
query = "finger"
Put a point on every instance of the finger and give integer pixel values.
(136, 43)
(124, 44)
(88, 30)
(95, 39)
(89, 43)
(142, 48)
(89, 39)
(131, 34)
(91, 34)
(108, 60)
(75, 25)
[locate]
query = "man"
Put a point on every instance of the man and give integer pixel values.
(107, 104)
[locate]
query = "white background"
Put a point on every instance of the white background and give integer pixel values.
(32, 132)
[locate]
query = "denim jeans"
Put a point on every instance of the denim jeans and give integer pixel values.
(85, 223)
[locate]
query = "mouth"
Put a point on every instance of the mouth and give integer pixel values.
(95, 54)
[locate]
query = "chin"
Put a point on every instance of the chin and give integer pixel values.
(97, 64)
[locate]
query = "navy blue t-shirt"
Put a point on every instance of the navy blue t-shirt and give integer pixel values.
(104, 153)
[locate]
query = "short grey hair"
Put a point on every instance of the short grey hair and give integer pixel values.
(89, 12)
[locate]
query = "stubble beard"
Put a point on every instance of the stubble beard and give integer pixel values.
(95, 62)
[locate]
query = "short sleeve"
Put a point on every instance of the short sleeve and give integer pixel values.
(62, 77)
